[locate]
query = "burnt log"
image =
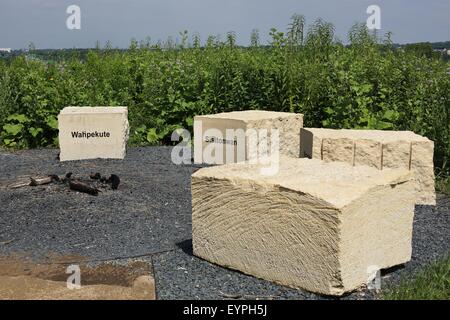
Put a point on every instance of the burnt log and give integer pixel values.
(40, 181)
(83, 187)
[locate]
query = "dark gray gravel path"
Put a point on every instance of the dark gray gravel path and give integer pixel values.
(149, 218)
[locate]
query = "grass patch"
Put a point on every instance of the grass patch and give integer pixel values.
(431, 283)
(443, 185)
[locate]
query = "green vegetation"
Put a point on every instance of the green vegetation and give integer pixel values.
(432, 283)
(443, 184)
(366, 84)
(422, 49)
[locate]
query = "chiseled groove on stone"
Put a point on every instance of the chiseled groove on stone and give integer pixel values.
(410, 156)
(321, 149)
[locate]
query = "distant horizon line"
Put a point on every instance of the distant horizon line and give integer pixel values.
(238, 45)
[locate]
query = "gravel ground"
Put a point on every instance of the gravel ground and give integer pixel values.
(149, 219)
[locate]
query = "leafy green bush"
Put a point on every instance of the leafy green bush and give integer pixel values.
(366, 84)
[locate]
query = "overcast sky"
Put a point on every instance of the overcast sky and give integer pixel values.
(43, 22)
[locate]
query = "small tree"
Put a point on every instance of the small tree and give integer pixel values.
(254, 38)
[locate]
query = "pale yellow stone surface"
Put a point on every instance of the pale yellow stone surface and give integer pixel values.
(368, 153)
(111, 124)
(288, 124)
(339, 149)
(315, 225)
(378, 149)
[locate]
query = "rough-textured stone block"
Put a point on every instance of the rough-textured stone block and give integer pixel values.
(378, 149)
(368, 153)
(93, 132)
(319, 226)
(339, 149)
(288, 124)
(396, 154)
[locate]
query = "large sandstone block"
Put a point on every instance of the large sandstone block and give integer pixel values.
(378, 149)
(323, 227)
(93, 132)
(210, 135)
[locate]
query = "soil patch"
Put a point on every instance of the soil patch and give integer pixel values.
(21, 278)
